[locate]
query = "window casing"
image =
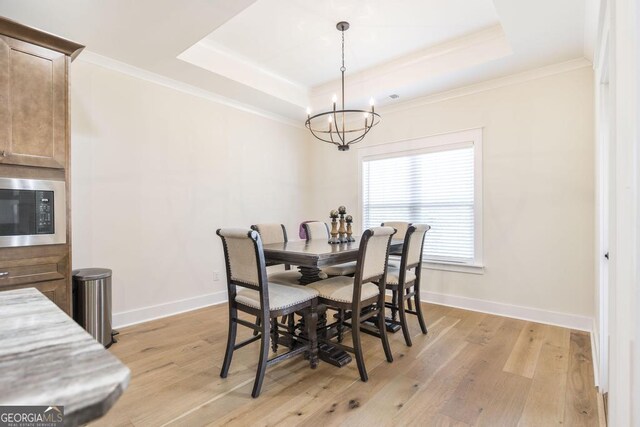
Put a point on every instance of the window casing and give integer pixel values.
(434, 180)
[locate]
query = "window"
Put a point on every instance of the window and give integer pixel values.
(433, 181)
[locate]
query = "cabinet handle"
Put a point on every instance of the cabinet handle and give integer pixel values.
(4, 274)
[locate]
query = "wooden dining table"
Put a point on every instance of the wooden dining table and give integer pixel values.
(310, 256)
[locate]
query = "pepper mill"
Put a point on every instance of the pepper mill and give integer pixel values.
(349, 220)
(342, 231)
(334, 227)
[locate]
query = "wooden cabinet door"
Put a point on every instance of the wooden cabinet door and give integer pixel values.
(45, 268)
(56, 290)
(33, 105)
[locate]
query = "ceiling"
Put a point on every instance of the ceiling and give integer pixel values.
(300, 41)
(284, 55)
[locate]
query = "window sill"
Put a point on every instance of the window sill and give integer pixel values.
(458, 268)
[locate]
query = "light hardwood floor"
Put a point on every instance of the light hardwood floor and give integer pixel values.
(471, 369)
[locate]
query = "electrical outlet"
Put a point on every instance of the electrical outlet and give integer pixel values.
(216, 276)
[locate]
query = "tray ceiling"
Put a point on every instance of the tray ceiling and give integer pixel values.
(283, 55)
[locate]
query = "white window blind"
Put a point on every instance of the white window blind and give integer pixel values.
(435, 188)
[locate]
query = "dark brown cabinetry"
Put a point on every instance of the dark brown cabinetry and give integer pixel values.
(34, 143)
(33, 105)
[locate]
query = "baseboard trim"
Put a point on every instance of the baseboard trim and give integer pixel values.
(572, 321)
(146, 314)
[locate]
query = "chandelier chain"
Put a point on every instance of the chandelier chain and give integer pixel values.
(343, 69)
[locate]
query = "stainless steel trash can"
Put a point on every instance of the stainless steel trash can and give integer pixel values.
(92, 303)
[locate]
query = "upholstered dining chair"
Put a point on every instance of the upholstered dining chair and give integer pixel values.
(358, 298)
(277, 233)
(318, 230)
(395, 254)
(401, 229)
(250, 292)
(404, 282)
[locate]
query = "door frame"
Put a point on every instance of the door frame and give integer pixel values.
(604, 67)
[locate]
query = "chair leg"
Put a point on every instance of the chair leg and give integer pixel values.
(291, 326)
(409, 305)
(274, 334)
(264, 357)
(416, 297)
(394, 304)
(403, 320)
(255, 331)
(340, 327)
(357, 346)
(382, 327)
(311, 321)
(231, 341)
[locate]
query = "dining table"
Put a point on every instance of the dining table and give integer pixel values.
(310, 256)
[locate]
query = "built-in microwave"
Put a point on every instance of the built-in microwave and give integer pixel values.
(32, 212)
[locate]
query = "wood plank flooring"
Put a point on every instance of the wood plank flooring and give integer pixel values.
(472, 369)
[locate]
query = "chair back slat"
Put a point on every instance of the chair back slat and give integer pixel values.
(413, 244)
(374, 248)
(316, 230)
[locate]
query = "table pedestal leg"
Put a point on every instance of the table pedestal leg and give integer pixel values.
(310, 275)
(326, 352)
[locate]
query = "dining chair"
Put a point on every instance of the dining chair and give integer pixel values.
(404, 282)
(359, 298)
(401, 230)
(251, 292)
(277, 233)
(318, 230)
(395, 254)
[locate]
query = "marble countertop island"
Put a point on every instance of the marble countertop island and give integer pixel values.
(48, 359)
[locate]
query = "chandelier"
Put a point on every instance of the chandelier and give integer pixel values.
(342, 127)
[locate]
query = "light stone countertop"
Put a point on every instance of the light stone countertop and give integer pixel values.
(46, 358)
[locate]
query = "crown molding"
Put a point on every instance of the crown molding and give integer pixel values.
(130, 70)
(512, 79)
(28, 34)
(537, 73)
(492, 38)
(217, 60)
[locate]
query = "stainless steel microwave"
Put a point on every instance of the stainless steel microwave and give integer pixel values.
(32, 212)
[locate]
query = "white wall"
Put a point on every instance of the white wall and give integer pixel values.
(538, 193)
(156, 171)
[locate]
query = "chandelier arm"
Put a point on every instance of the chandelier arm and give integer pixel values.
(335, 120)
(348, 131)
(320, 138)
(361, 137)
(357, 139)
(331, 135)
(326, 113)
